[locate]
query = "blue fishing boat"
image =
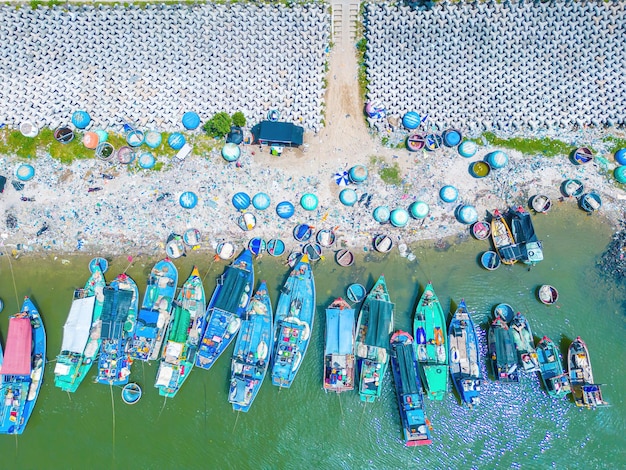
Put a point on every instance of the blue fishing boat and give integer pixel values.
(22, 369)
(502, 353)
(490, 260)
(121, 301)
(303, 232)
(226, 308)
(524, 344)
(293, 323)
(252, 349)
(153, 320)
(464, 356)
(415, 424)
(179, 352)
(551, 369)
(257, 246)
(339, 347)
(373, 331)
(81, 333)
(275, 247)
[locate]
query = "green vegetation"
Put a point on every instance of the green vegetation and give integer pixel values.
(545, 146)
(203, 145)
(361, 48)
(616, 143)
(12, 141)
(219, 125)
(239, 119)
(390, 174)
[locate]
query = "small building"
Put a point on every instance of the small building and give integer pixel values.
(278, 133)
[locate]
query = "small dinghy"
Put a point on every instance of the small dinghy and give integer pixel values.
(541, 203)
(590, 202)
(325, 238)
(303, 232)
(225, 250)
(582, 155)
(548, 294)
(481, 230)
(573, 188)
(257, 246)
(175, 247)
(356, 292)
(344, 258)
(192, 237)
(246, 221)
(382, 243)
(275, 247)
(490, 260)
(98, 262)
(131, 393)
(314, 250)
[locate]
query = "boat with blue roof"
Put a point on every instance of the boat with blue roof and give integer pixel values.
(464, 356)
(339, 363)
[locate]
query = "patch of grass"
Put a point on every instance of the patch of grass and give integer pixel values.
(15, 143)
(158, 166)
(67, 153)
(616, 143)
(203, 145)
(545, 146)
(391, 174)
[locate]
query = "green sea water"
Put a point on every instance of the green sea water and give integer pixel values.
(515, 426)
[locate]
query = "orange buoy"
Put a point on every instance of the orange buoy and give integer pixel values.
(90, 140)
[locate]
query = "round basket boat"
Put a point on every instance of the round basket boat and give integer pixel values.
(479, 169)
(293, 258)
(356, 292)
(504, 311)
(105, 151)
(275, 247)
(25, 172)
(590, 202)
(28, 129)
(246, 221)
(490, 260)
(344, 258)
(303, 232)
(1, 305)
(548, 294)
(325, 237)
(131, 393)
(452, 137)
(572, 188)
(433, 142)
(415, 142)
(582, 155)
(481, 230)
(225, 250)
(257, 246)
(175, 247)
(192, 237)
(101, 263)
(382, 243)
(125, 155)
(64, 135)
(314, 250)
(146, 161)
(541, 203)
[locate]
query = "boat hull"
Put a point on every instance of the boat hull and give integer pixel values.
(339, 363)
(464, 356)
(502, 355)
(502, 237)
(552, 373)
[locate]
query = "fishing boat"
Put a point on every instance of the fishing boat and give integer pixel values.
(22, 369)
(373, 332)
(325, 237)
(382, 243)
(303, 232)
(192, 237)
(119, 311)
(590, 202)
(481, 230)
(464, 356)
(153, 320)
(490, 260)
(502, 237)
(504, 311)
(81, 334)
(175, 246)
(251, 354)
(226, 308)
(572, 188)
(527, 246)
(225, 250)
(415, 142)
(541, 203)
(257, 246)
(293, 323)
(275, 247)
(429, 330)
(246, 221)
(356, 292)
(585, 392)
(551, 370)
(313, 251)
(339, 347)
(131, 393)
(179, 352)
(502, 353)
(582, 155)
(548, 294)
(344, 258)
(524, 344)
(415, 425)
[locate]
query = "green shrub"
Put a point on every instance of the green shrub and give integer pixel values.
(218, 125)
(239, 119)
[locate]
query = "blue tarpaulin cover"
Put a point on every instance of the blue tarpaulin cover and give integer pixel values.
(339, 331)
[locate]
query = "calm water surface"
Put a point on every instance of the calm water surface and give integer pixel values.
(515, 426)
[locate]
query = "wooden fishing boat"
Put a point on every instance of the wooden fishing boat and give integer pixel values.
(373, 332)
(573, 188)
(551, 370)
(303, 232)
(415, 425)
(293, 323)
(344, 258)
(502, 237)
(251, 354)
(175, 246)
(153, 320)
(225, 250)
(339, 347)
(382, 243)
(524, 343)
(356, 292)
(119, 312)
(22, 369)
(179, 351)
(464, 356)
(590, 202)
(582, 155)
(541, 203)
(81, 334)
(325, 237)
(527, 246)
(226, 308)
(586, 393)
(275, 247)
(481, 230)
(313, 251)
(429, 331)
(502, 353)
(490, 260)
(548, 294)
